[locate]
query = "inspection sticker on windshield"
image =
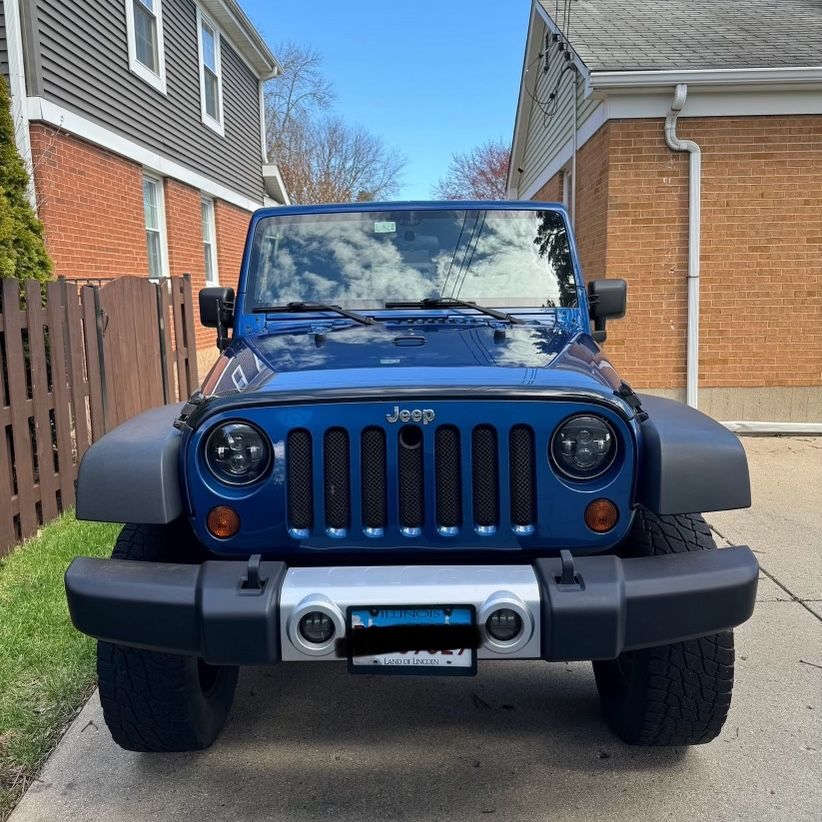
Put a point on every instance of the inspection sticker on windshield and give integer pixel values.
(387, 640)
(385, 227)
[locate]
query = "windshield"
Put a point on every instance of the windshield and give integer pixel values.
(365, 259)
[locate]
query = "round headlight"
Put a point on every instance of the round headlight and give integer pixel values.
(237, 453)
(583, 447)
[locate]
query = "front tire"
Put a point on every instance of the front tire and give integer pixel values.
(675, 694)
(161, 702)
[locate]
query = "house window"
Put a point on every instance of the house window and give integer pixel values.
(144, 25)
(209, 243)
(154, 211)
(211, 82)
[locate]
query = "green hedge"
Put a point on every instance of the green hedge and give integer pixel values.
(23, 252)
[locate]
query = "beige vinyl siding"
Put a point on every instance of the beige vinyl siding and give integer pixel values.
(85, 67)
(547, 135)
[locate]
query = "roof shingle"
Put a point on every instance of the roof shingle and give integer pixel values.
(659, 35)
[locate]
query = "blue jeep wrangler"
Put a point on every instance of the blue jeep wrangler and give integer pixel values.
(413, 457)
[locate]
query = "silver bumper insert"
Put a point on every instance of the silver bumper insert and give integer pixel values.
(332, 590)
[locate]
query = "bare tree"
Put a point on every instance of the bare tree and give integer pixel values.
(333, 162)
(300, 92)
(481, 174)
(322, 159)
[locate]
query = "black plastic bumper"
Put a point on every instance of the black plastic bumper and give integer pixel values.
(605, 605)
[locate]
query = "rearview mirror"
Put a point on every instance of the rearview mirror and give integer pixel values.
(217, 311)
(607, 301)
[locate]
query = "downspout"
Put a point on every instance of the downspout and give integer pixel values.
(694, 184)
(574, 156)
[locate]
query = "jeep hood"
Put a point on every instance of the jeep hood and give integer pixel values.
(423, 353)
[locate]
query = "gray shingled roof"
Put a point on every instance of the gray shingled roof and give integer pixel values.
(636, 35)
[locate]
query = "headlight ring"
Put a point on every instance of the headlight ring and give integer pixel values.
(583, 447)
(237, 453)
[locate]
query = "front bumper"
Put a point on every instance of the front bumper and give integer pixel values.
(581, 608)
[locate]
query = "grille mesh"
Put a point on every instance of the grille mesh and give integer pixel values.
(523, 479)
(298, 466)
(337, 482)
(374, 481)
(448, 479)
(411, 479)
(448, 476)
(485, 475)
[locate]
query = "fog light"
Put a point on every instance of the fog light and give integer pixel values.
(504, 625)
(316, 627)
(223, 522)
(601, 515)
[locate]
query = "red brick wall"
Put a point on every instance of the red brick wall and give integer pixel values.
(91, 203)
(232, 227)
(761, 260)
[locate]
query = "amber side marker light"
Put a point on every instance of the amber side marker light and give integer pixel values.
(223, 522)
(601, 515)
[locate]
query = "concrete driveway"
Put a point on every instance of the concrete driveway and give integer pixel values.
(521, 741)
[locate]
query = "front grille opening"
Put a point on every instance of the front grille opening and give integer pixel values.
(523, 475)
(299, 474)
(485, 476)
(337, 479)
(374, 478)
(411, 479)
(448, 477)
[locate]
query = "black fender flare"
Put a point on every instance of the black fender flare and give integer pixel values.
(690, 462)
(132, 473)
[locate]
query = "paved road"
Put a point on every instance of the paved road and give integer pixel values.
(521, 741)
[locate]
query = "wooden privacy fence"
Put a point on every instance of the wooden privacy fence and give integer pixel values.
(76, 361)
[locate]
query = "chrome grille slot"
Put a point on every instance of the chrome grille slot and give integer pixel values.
(298, 472)
(337, 481)
(411, 480)
(522, 478)
(448, 478)
(485, 478)
(374, 481)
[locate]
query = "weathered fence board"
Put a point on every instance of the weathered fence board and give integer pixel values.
(75, 361)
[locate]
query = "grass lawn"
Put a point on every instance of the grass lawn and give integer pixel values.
(46, 666)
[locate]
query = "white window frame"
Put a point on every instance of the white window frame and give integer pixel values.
(161, 217)
(218, 124)
(157, 81)
(212, 228)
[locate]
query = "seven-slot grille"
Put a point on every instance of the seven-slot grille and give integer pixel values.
(447, 477)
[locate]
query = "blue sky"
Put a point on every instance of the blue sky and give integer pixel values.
(430, 77)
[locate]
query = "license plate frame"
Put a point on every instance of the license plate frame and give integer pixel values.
(411, 669)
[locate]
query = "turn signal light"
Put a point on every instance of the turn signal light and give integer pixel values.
(601, 515)
(223, 522)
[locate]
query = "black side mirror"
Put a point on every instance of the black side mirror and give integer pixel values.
(217, 311)
(607, 300)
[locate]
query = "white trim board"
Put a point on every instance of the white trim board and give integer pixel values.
(701, 103)
(17, 90)
(42, 110)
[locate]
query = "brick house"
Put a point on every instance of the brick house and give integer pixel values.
(742, 81)
(143, 123)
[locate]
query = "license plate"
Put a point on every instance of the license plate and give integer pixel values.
(421, 640)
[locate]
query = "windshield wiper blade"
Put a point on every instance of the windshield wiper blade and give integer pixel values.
(444, 302)
(308, 306)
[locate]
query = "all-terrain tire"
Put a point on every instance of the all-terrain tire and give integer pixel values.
(675, 694)
(161, 702)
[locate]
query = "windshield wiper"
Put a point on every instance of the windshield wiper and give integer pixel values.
(444, 302)
(307, 306)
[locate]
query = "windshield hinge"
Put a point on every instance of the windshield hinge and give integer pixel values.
(627, 393)
(194, 402)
